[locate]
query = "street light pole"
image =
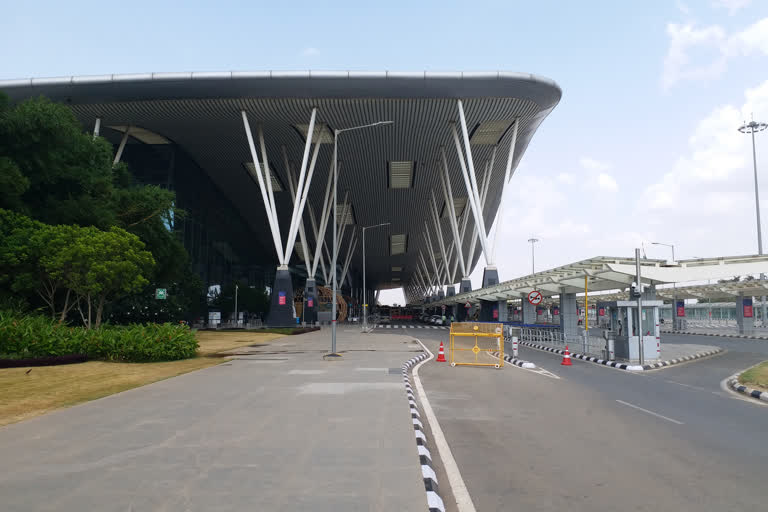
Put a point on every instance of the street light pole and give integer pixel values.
(533, 254)
(751, 128)
(236, 322)
(336, 134)
(365, 293)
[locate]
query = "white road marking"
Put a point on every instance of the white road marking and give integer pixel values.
(649, 412)
(460, 492)
(697, 388)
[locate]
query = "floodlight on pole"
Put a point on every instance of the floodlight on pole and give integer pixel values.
(671, 246)
(752, 128)
(336, 134)
(365, 292)
(533, 254)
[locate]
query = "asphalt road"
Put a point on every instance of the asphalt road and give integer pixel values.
(603, 439)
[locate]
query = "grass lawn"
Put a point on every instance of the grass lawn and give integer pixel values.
(756, 377)
(45, 388)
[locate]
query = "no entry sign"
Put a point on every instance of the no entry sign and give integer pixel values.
(535, 298)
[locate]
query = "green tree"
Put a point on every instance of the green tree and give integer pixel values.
(51, 170)
(103, 265)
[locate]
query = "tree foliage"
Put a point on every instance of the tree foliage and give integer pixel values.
(87, 266)
(53, 172)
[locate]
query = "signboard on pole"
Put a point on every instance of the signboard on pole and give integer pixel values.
(748, 308)
(495, 313)
(281, 298)
(556, 311)
(310, 302)
(680, 307)
(535, 297)
(161, 293)
(601, 312)
(467, 305)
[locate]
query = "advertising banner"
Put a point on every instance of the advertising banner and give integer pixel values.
(748, 308)
(680, 306)
(281, 298)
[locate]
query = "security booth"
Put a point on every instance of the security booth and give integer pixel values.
(623, 323)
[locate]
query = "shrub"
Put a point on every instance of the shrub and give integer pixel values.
(143, 342)
(36, 336)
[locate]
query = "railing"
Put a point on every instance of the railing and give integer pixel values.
(595, 346)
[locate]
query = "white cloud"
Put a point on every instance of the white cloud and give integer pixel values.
(606, 182)
(711, 178)
(566, 178)
(731, 5)
(751, 40)
(682, 39)
(310, 52)
(591, 164)
(683, 8)
(712, 47)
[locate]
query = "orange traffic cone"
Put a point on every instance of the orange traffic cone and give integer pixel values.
(441, 354)
(566, 357)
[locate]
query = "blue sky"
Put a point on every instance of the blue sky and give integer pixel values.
(642, 147)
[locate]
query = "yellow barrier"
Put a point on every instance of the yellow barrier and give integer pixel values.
(474, 344)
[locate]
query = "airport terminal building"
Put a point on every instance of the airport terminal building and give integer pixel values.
(251, 157)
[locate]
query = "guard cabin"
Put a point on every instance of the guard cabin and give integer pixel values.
(623, 329)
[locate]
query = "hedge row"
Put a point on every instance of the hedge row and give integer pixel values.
(36, 336)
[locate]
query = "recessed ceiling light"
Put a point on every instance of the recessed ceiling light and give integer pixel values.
(400, 174)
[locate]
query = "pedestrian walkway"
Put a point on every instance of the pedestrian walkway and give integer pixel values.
(277, 428)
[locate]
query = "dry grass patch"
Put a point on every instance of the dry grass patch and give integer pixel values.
(46, 388)
(756, 377)
(213, 342)
(25, 395)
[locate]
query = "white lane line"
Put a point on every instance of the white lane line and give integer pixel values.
(697, 388)
(649, 412)
(538, 370)
(459, 489)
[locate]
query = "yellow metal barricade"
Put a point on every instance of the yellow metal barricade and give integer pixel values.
(474, 343)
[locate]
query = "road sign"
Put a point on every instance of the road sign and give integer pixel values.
(535, 298)
(161, 293)
(467, 305)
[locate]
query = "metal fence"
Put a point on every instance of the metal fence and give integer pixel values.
(591, 345)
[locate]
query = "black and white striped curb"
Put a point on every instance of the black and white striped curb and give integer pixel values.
(733, 383)
(719, 335)
(408, 326)
(515, 361)
(434, 501)
(624, 366)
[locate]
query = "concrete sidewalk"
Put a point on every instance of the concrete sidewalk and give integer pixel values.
(277, 428)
